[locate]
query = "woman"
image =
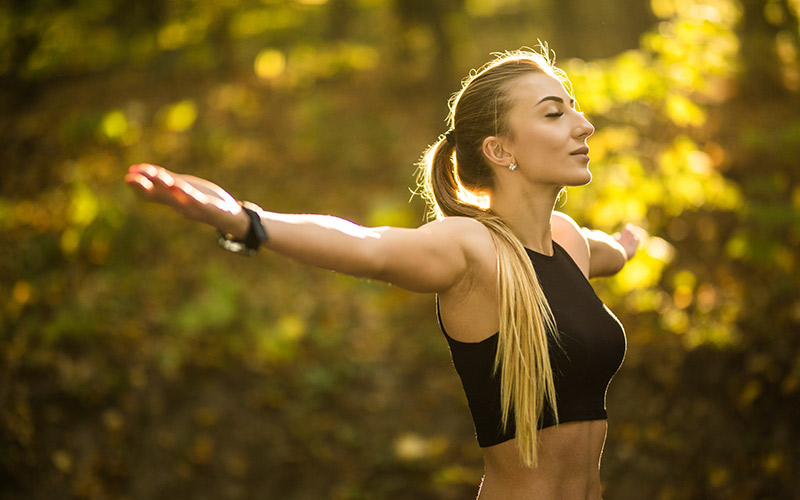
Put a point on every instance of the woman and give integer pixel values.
(534, 346)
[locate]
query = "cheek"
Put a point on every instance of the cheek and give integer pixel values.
(542, 142)
(554, 138)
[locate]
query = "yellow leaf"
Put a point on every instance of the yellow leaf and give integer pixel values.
(684, 112)
(114, 125)
(180, 116)
(84, 205)
(269, 64)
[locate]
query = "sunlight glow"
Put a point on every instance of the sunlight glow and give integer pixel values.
(482, 201)
(180, 116)
(269, 64)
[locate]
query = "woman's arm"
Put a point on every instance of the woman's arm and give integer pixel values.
(608, 254)
(431, 258)
(596, 253)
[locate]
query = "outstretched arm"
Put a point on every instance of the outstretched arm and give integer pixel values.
(431, 258)
(608, 254)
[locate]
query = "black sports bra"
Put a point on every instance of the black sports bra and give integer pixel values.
(592, 349)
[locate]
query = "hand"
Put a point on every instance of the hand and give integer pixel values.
(629, 238)
(194, 198)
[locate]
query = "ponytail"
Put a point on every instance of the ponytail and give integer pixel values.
(440, 186)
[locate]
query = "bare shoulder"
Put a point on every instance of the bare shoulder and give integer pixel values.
(472, 237)
(470, 233)
(456, 223)
(568, 234)
(473, 240)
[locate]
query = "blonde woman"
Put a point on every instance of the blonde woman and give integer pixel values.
(534, 346)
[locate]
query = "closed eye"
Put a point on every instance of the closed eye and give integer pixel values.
(554, 115)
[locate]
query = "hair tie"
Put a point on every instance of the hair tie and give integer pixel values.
(450, 136)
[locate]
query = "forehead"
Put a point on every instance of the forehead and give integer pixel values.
(535, 86)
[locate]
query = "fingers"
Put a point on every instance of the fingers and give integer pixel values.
(147, 168)
(157, 184)
(139, 183)
(157, 175)
(158, 180)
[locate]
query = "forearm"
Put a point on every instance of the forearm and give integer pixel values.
(607, 255)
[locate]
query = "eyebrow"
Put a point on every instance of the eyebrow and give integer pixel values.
(555, 98)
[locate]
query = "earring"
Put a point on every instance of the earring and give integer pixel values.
(512, 167)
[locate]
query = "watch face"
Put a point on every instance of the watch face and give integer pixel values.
(234, 246)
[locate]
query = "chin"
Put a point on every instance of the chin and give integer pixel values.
(581, 179)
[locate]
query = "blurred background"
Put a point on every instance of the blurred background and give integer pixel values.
(140, 361)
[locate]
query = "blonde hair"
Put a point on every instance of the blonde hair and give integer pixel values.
(452, 172)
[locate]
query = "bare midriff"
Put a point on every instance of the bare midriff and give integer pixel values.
(568, 468)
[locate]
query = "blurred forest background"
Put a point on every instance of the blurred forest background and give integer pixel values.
(140, 361)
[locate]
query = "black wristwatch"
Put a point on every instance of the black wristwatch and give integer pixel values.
(256, 234)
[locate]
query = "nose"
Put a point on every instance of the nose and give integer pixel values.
(584, 127)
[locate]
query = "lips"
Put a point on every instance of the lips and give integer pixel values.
(581, 151)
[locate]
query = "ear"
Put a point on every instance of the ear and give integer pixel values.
(495, 151)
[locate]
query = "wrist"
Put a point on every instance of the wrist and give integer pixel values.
(248, 239)
(239, 226)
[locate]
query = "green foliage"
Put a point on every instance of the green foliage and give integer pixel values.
(140, 361)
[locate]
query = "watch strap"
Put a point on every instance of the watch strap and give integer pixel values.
(256, 234)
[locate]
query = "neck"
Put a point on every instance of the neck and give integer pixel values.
(528, 212)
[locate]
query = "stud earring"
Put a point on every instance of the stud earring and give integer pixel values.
(512, 167)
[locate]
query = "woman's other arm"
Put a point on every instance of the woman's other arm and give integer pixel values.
(608, 254)
(598, 254)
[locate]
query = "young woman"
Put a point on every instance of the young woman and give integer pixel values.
(534, 346)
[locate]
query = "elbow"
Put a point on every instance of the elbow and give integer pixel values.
(617, 260)
(369, 262)
(620, 259)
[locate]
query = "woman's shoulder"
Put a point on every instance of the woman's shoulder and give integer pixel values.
(471, 235)
(569, 236)
(465, 229)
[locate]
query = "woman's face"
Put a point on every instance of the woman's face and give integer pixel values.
(547, 136)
